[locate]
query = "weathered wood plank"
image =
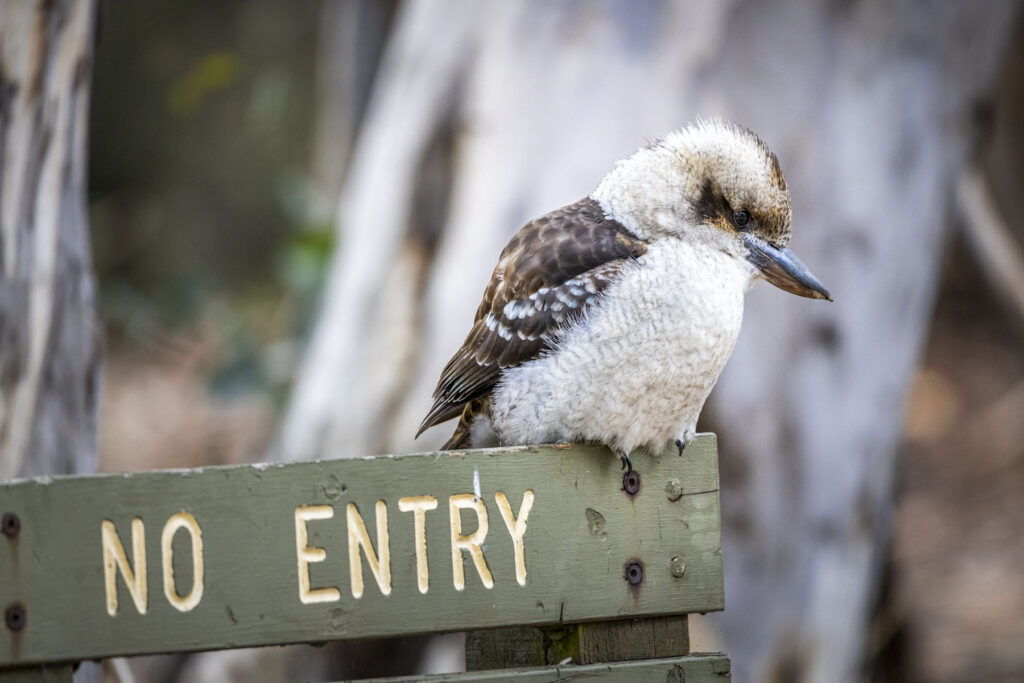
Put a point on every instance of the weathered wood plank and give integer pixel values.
(247, 524)
(702, 668)
(587, 643)
(633, 639)
(59, 673)
(508, 646)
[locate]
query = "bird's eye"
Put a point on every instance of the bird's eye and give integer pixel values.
(741, 218)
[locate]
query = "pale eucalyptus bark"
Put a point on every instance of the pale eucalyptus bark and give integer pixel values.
(496, 112)
(49, 334)
(352, 35)
(49, 331)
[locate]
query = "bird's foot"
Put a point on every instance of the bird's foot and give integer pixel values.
(627, 464)
(683, 441)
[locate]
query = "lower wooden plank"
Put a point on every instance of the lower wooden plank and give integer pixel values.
(633, 639)
(58, 673)
(700, 668)
(509, 646)
(586, 643)
(104, 566)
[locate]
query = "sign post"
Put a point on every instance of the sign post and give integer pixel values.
(529, 537)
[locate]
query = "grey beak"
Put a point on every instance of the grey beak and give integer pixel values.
(783, 269)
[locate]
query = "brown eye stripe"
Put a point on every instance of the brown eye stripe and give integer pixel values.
(712, 206)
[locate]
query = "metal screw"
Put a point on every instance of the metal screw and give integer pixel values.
(634, 573)
(674, 489)
(11, 525)
(631, 482)
(14, 617)
(678, 566)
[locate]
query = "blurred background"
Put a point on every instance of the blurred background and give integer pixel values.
(294, 207)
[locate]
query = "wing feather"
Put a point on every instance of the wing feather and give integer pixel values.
(548, 275)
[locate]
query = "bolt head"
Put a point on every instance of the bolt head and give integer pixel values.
(10, 525)
(674, 489)
(631, 482)
(677, 566)
(634, 573)
(14, 616)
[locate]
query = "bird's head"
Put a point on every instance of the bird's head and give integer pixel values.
(717, 184)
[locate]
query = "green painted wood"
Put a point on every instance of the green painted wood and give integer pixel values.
(702, 668)
(586, 643)
(59, 673)
(582, 530)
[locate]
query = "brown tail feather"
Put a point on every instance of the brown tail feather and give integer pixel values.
(441, 412)
(463, 431)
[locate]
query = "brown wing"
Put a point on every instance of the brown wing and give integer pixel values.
(548, 275)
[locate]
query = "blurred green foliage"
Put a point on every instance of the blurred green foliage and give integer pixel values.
(210, 73)
(200, 196)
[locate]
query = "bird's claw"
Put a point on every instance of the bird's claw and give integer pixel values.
(681, 445)
(627, 464)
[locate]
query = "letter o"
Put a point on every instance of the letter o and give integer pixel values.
(182, 520)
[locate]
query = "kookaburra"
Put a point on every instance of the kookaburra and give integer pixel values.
(609, 320)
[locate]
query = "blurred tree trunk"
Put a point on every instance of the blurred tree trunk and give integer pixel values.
(49, 335)
(485, 114)
(351, 39)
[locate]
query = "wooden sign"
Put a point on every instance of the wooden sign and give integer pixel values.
(100, 566)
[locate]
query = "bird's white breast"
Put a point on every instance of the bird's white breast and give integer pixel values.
(637, 370)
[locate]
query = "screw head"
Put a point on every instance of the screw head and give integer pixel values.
(631, 482)
(634, 573)
(677, 566)
(10, 525)
(14, 616)
(674, 489)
